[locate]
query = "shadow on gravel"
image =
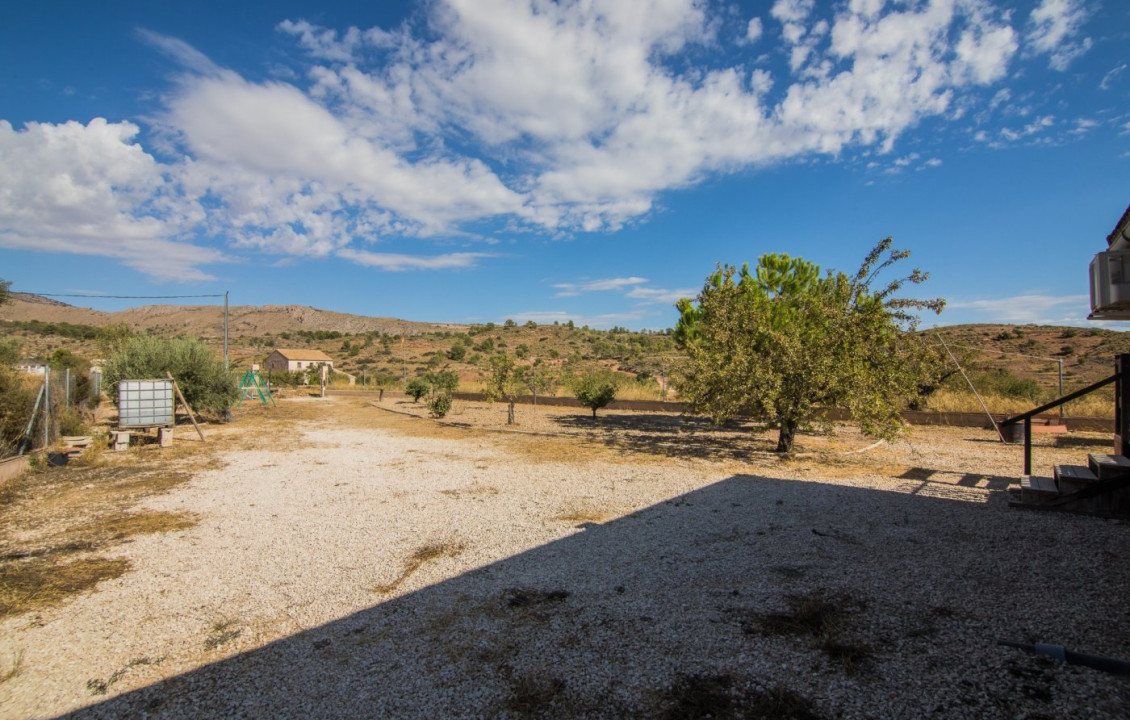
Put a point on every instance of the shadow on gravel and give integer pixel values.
(739, 600)
(672, 435)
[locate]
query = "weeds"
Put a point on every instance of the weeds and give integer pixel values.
(530, 692)
(422, 555)
(221, 633)
(101, 687)
(518, 597)
(820, 618)
(721, 697)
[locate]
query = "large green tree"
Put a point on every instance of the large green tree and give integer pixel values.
(783, 342)
(199, 373)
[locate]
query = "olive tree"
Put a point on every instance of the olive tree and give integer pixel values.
(783, 343)
(595, 389)
(539, 379)
(201, 376)
(503, 381)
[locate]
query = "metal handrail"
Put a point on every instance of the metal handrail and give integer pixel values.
(1060, 401)
(1027, 417)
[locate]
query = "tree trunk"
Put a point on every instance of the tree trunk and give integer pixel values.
(510, 413)
(594, 413)
(785, 438)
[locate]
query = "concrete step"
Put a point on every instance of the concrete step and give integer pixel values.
(1108, 466)
(1073, 478)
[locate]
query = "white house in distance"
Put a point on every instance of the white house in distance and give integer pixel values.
(287, 360)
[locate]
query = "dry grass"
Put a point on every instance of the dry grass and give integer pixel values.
(44, 582)
(475, 490)
(58, 524)
(1097, 405)
(420, 556)
(119, 527)
(16, 666)
(584, 515)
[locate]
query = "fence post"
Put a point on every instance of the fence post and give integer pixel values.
(1122, 405)
(46, 407)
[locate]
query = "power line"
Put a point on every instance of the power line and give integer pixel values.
(120, 297)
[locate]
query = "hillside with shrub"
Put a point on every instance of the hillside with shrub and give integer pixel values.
(1013, 366)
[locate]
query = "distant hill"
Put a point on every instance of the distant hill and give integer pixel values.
(1034, 351)
(1031, 352)
(208, 320)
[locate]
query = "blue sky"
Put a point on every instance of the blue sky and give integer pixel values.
(478, 160)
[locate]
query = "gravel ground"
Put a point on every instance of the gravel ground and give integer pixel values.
(353, 561)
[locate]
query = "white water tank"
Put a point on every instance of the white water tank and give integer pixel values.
(1110, 286)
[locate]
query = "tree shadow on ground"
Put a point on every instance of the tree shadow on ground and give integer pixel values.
(680, 436)
(830, 596)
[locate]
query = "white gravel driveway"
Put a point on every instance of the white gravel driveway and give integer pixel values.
(345, 569)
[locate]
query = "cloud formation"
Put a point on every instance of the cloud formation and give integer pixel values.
(1022, 309)
(507, 114)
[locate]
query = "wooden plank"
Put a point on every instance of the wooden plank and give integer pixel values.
(1038, 484)
(1108, 466)
(1075, 473)
(187, 409)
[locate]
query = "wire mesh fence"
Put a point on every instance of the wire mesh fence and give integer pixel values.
(36, 409)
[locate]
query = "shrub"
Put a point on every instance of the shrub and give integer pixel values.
(457, 352)
(417, 388)
(1006, 384)
(439, 406)
(442, 382)
(201, 376)
(18, 392)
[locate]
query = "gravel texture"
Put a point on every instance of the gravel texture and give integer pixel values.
(352, 561)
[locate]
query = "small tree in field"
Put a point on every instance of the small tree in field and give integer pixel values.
(417, 388)
(595, 389)
(783, 343)
(442, 382)
(538, 379)
(503, 382)
(201, 376)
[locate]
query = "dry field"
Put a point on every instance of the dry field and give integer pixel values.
(341, 557)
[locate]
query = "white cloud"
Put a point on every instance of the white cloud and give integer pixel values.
(92, 190)
(574, 289)
(753, 31)
(1032, 308)
(549, 317)
(555, 117)
(661, 296)
(396, 262)
(1053, 29)
(1111, 76)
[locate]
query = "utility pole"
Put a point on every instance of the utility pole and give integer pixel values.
(226, 365)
